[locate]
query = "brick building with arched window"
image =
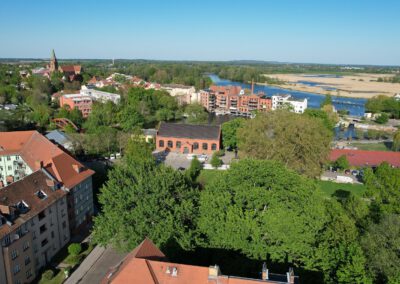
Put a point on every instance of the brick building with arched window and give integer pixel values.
(187, 138)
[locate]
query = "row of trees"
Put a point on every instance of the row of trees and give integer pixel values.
(384, 104)
(259, 209)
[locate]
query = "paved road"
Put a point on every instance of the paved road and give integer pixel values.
(95, 266)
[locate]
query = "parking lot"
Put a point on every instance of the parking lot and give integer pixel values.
(181, 161)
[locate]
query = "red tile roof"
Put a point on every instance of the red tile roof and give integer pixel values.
(37, 151)
(140, 266)
(361, 158)
(71, 68)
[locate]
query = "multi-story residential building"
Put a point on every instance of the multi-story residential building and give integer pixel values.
(38, 153)
(33, 225)
(186, 138)
(84, 100)
(234, 100)
(12, 168)
(147, 264)
(286, 101)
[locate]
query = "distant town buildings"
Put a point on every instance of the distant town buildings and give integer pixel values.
(233, 100)
(148, 265)
(46, 196)
(186, 138)
(184, 94)
(85, 98)
(287, 102)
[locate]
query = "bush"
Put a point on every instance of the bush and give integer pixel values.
(74, 249)
(342, 163)
(48, 275)
(216, 161)
(220, 153)
(382, 119)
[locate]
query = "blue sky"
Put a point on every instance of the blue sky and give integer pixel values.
(324, 31)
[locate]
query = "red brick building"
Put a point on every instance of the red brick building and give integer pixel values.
(186, 138)
(234, 100)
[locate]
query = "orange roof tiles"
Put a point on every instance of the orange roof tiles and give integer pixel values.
(141, 267)
(362, 158)
(37, 151)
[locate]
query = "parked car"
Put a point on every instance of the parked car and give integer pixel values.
(347, 172)
(202, 158)
(355, 173)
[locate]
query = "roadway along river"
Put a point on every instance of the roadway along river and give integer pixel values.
(355, 106)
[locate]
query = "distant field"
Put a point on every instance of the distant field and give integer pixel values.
(330, 188)
(372, 146)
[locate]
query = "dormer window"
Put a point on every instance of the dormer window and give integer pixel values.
(22, 206)
(41, 194)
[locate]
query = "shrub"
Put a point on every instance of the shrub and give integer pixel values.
(48, 275)
(74, 249)
(382, 118)
(215, 160)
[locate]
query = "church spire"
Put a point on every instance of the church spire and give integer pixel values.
(53, 62)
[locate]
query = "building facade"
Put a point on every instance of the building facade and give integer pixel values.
(287, 102)
(234, 100)
(187, 139)
(34, 226)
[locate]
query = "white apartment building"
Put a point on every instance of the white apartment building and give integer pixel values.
(99, 95)
(286, 101)
(12, 168)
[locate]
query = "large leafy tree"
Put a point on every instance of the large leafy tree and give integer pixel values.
(142, 200)
(381, 243)
(263, 210)
(299, 142)
(229, 132)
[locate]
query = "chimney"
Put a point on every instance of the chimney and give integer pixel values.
(265, 272)
(213, 272)
(77, 168)
(39, 164)
(290, 276)
(252, 86)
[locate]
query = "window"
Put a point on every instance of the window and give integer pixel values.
(52, 234)
(7, 240)
(64, 224)
(28, 273)
(41, 215)
(34, 235)
(27, 260)
(25, 246)
(32, 222)
(8, 158)
(14, 254)
(16, 269)
(204, 146)
(44, 242)
(213, 146)
(43, 229)
(161, 143)
(178, 144)
(9, 168)
(195, 145)
(170, 144)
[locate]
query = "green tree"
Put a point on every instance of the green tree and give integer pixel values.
(262, 210)
(396, 141)
(326, 118)
(196, 114)
(327, 100)
(299, 142)
(141, 200)
(216, 162)
(382, 118)
(194, 170)
(381, 244)
(342, 163)
(74, 249)
(229, 132)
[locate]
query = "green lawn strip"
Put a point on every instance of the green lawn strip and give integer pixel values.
(329, 188)
(371, 147)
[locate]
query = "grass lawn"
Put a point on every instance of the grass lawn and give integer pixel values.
(372, 147)
(341, 189)
(208, 175)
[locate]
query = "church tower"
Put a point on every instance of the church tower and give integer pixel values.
(53, 62)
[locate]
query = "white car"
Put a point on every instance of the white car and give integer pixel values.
(202, 158)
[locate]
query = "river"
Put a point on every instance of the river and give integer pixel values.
(355, 106)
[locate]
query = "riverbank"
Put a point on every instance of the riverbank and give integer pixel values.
(350, 86)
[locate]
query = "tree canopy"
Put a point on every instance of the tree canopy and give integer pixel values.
(300, 142)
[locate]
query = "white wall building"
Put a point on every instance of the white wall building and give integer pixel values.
(100, 95)
(12, 168)
(286, 101)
